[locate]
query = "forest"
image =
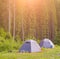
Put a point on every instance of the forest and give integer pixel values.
(31, 19)
(29, 29)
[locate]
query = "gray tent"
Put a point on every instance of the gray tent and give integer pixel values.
(30, 46)
(46, 43)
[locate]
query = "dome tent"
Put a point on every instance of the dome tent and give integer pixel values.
(30, 46)
(46, 43)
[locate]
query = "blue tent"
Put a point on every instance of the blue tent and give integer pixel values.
(46, 43)
(30, 46)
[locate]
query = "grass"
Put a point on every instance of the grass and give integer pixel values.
(44, 54)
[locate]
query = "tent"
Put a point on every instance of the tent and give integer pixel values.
(30, 46)
(46, 43)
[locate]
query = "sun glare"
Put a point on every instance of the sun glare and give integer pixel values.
(27, 1)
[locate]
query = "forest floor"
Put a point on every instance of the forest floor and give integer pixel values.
(44, 54)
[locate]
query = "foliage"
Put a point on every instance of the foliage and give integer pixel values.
(38, 21)
(57, 39)
(7, 43)
(2, 33)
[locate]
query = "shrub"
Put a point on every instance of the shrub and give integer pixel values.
(57, 39)
(8, 36)
(7, 43)
(2, 33)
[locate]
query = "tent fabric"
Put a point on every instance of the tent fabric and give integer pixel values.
(46, 43)
(30, 46)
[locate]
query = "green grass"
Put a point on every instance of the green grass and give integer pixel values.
(44, 54)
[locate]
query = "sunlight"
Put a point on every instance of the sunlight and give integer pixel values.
(27, 1)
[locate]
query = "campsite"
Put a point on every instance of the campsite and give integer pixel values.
(29, 29)
(45, 54)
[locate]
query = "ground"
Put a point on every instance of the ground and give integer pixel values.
(44, 54)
